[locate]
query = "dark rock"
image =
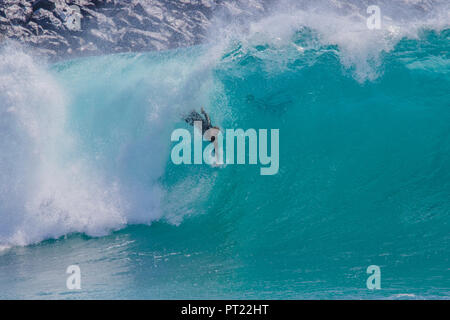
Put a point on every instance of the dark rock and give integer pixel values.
(18, 14)
(47, 20)
(43, 4)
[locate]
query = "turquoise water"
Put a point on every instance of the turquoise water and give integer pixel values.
(364, 175)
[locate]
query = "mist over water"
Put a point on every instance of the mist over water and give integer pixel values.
(364, 161)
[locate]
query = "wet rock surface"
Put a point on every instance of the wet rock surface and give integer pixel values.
(65, 28)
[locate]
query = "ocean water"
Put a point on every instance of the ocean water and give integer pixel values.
(364, 117)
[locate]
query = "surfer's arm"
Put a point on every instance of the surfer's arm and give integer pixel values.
(208, 120)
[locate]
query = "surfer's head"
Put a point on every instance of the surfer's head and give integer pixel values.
(212, 133)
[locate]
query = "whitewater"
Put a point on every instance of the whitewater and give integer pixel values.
(364, 166)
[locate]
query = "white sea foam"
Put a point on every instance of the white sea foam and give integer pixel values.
(340, 23)
(51, 183)
(45, 192)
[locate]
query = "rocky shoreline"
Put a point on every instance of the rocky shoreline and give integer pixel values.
(67, 28)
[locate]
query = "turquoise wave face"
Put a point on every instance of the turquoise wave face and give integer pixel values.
(363, 179)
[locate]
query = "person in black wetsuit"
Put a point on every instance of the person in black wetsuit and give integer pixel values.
(206, 123)
(209, 132)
